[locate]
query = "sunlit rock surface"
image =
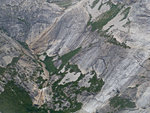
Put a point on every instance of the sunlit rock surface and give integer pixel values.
(87, 56)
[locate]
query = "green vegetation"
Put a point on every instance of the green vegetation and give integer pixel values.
(89, 22)
(96, 84)
(12, 71)
(77, 106)
(69, 91)
(65, 58)
(73, 68)
(125, 13)
(40, 81)
(115, 42)
(137, 85)
(10, 68)
(121, 103)
(25, 45)
(15, 99)
(50, 65)
(2, 70)
(61, 94)
(64, 3)
(14, 61)
(111, 39)
(66, 92)
(100, 6)
(94, 3)
(106, 17)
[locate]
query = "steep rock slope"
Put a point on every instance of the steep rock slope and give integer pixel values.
(23, 19)
(92, 56)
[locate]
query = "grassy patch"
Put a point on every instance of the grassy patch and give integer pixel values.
(61, 94)
(121, 103)
(50, 65)
(125, 13)
(65, 92)
(115, 42)
(40, 81)
(69, 91)
(59, 90)
(111, 39)
(10, 68)
(12, 71)
(64, 3)
(100, 6)
(72, 67)
(15, 99)
(89, 22)
(14, 61)
(65, 58)
(96, 84)
(2, 70)
(25, 45)
(94, 3)
(106, 17)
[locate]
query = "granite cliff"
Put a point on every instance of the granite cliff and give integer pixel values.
(74, 56)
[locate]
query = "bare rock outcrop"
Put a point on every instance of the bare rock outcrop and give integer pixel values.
(90, 57)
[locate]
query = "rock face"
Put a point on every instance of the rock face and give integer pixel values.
(24, 19)
(88, 56)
